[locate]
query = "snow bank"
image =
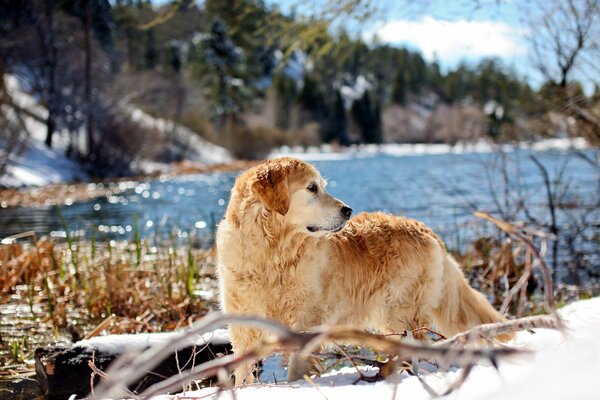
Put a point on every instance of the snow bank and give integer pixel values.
(38, 165)
(119, 344)
(562, 367)
(325, 152)
(196, 149)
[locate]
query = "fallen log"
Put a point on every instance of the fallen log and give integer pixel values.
(62, 371)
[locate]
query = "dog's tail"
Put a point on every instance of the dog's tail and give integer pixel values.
(461, 307)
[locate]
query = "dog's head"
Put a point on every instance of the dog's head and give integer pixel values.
(294, 192)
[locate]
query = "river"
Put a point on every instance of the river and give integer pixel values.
(441, 190)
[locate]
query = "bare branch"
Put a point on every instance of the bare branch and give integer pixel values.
(513, 231)
(489, 331)
(128, 369)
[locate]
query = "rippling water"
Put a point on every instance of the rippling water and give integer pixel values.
(442, 190)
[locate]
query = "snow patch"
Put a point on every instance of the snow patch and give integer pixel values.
(563, 367)
(195, 148)
(38, 165)
(119, 344)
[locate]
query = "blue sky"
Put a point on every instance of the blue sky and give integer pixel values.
(449, 31)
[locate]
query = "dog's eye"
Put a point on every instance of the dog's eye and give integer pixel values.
(313, 188)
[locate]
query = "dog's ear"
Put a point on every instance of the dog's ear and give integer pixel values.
(271, 187)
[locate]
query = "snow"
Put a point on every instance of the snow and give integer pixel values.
(355, 91)
(38, 165)
(416, 149)
(194, 148)
(119, 344)
(562, 366)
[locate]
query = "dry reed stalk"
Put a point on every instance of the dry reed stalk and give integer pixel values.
(102, 326)
(517, 233)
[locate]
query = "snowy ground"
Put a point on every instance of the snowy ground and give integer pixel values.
(193, 147)
(38, 165)
(563, 367)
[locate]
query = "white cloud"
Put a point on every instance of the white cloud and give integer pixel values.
(455, 40)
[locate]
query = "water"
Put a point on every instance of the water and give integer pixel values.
(441, 190)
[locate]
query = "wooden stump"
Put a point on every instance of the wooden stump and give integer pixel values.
(63, 371)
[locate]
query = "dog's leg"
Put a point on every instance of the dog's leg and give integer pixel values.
(298, 366)
(242, 341)
(400, 318)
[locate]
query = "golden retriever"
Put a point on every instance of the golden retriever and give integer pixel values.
(289, 251)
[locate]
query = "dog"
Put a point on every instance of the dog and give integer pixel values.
(289, 251)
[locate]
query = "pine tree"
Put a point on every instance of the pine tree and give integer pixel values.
(337, 127)
(366, 116)
(285, 94)
(400, 87)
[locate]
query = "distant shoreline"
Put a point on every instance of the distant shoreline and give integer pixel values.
(69, 193)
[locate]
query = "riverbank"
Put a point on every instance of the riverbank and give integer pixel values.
(70, 193)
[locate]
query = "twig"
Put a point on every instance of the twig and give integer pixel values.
(362, 360)
(96, 331)
(132, 366)
(512, 230)
(488, 331)
(304, 341)
(361, 375)
(423, 328)
(455, 385)
(314, 385)
(98, 372)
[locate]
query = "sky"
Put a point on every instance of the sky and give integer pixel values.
(449, 31)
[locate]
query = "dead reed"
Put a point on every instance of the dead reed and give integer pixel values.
(53, 291)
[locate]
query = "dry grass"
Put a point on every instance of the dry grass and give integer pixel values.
(61, 291)
(510, 268)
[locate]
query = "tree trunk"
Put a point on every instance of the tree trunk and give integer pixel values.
(50, 70)
(87, 26)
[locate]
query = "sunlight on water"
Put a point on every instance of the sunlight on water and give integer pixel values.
(441, 190)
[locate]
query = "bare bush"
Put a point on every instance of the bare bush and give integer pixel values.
(124, 143)
(254, 143)
(454, 123)
(445, 123)
(560, 218)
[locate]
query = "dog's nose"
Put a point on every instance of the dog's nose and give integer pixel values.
(346, 212)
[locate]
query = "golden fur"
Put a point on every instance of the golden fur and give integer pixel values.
(280, 257)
